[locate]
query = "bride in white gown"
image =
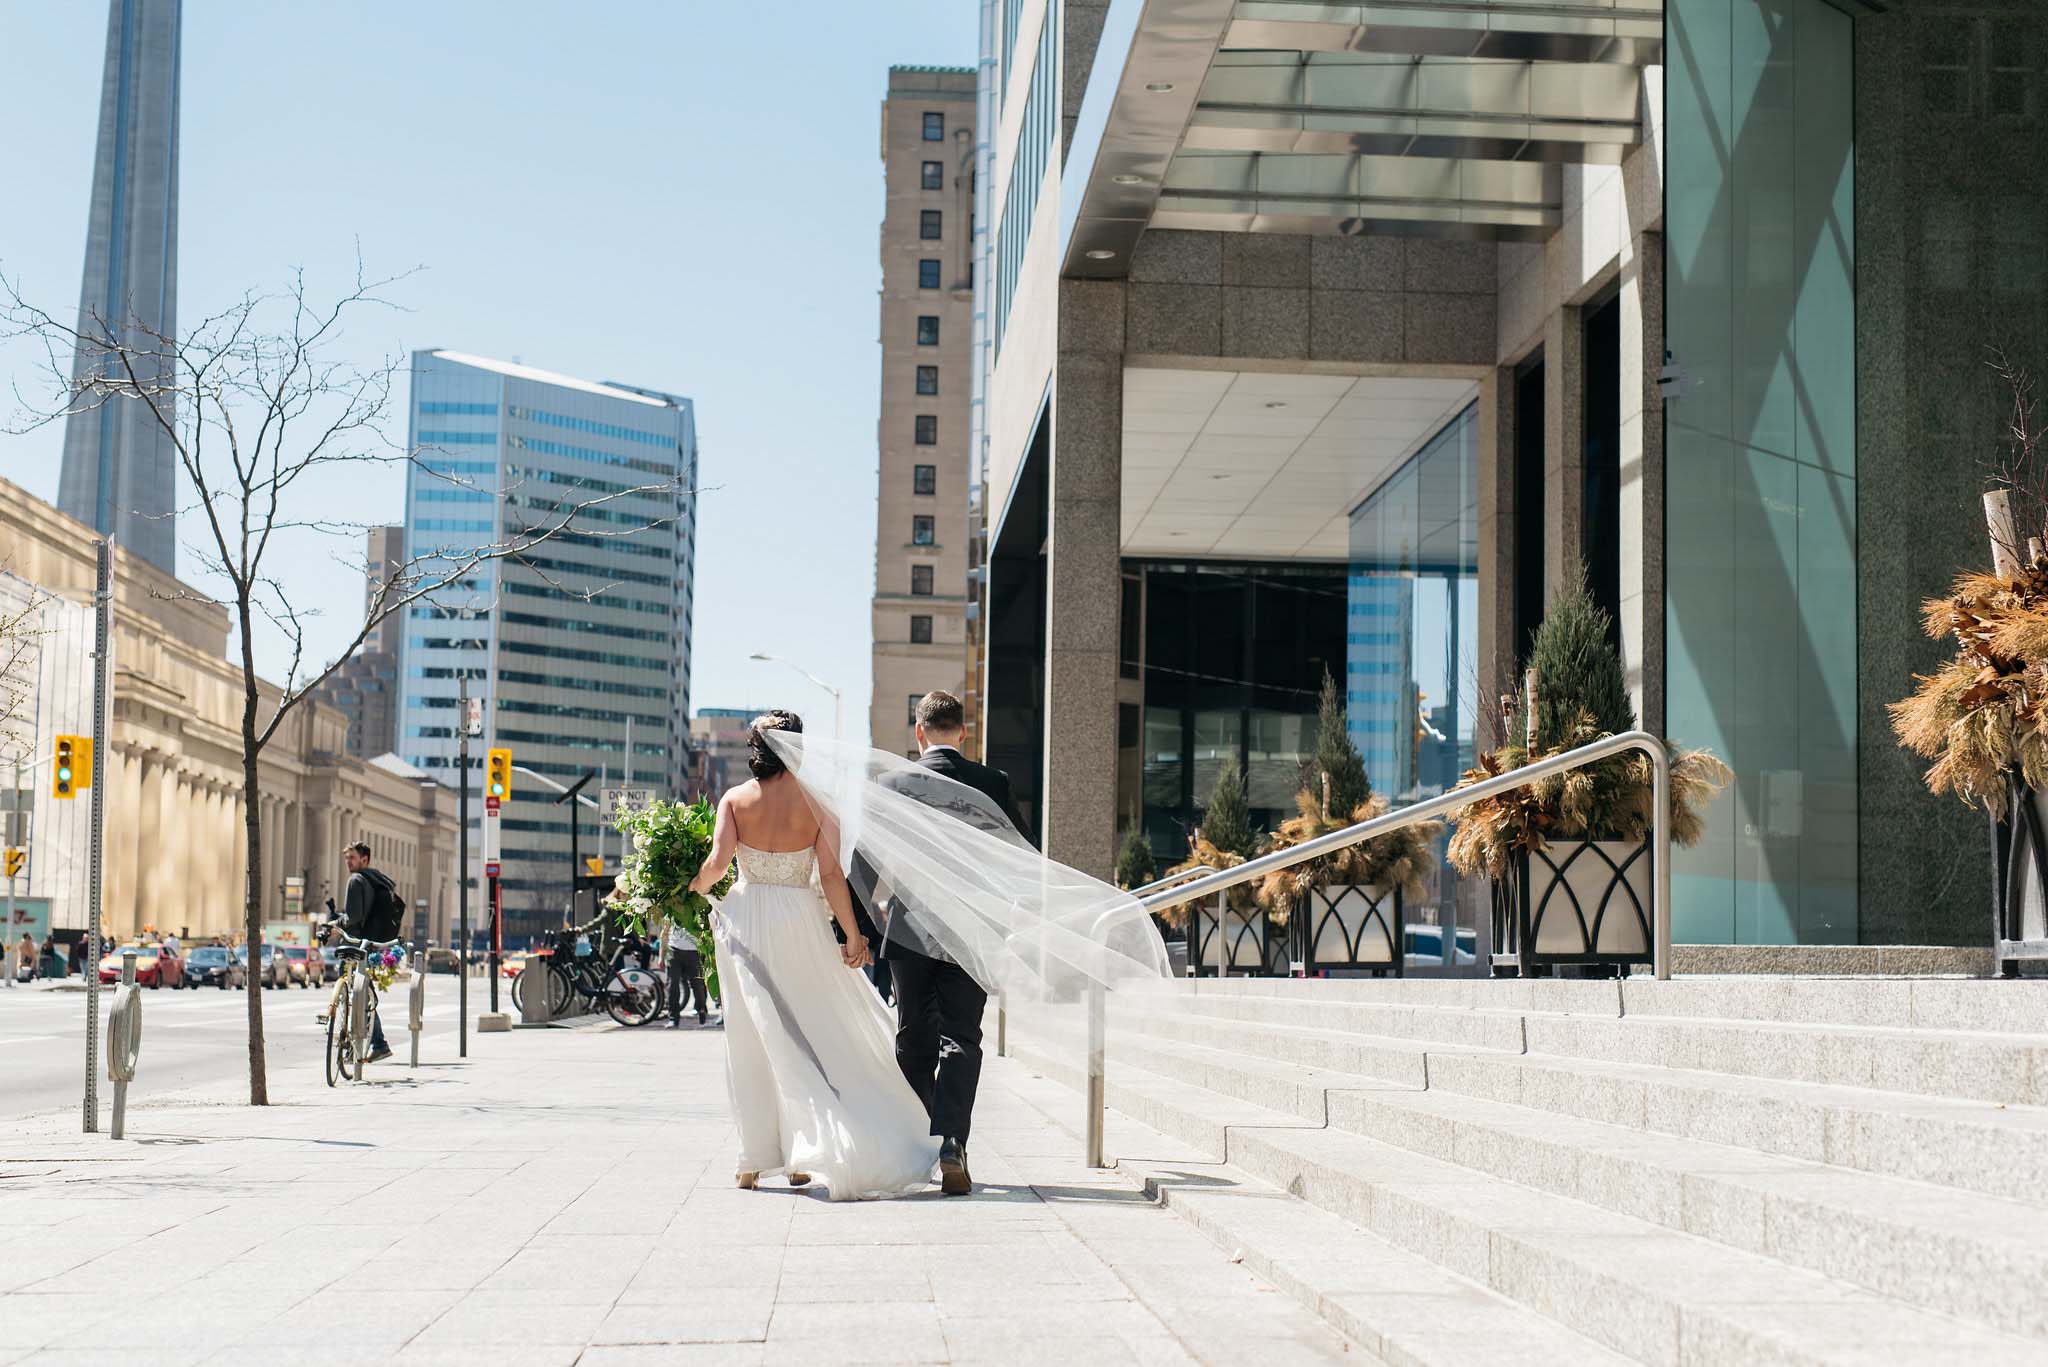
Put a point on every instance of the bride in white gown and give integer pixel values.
(810, 1048)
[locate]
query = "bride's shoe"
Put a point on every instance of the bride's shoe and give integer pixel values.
(747, 1180)
(799, 1179)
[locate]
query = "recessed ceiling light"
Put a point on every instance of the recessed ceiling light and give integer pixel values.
(1127, 179)
(1159, 87)
(1101, 254)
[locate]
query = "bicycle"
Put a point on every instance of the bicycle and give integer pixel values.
(351, 1009)
(630, 995)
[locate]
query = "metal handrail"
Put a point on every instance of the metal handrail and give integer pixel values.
(1191, 871)
(1414, 814)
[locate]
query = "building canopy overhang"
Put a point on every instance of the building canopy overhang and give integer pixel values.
(1441, 117)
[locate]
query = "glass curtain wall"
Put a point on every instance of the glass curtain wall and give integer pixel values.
(1760, 534)
(1411, 646)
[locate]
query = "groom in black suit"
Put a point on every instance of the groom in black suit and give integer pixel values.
(938, 1006)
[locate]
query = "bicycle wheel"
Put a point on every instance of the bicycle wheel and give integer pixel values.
(337, 1038)
(629, 998)
(563, 990)
(519, 991)
(359, 1026)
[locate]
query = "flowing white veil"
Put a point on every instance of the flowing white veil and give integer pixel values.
(962, 883)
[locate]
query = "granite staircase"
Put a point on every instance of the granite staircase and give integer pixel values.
(1682, 1173)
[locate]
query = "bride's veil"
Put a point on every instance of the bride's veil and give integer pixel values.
(963, 883)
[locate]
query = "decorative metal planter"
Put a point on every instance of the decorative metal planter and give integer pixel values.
(1348, 926)
(1244, 942)
(2019, 878)
(1577, 902)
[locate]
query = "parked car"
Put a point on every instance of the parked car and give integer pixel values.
(155, 965)
(302, 965)
(214, 966)
(330, 963)
(271, 969)
(512, 965)
(441, 960)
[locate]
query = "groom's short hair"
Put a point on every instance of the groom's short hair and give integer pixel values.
(940, 711)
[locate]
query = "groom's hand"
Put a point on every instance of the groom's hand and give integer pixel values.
(854, 953)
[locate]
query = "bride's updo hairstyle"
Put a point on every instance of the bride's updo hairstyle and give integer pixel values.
(761, 757)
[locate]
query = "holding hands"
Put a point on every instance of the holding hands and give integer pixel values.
(854, 953)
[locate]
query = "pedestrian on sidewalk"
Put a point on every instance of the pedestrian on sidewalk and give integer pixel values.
(24, 960)
(685, 964)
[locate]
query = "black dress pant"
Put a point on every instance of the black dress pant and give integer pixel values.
(685, 965)
(938, 1038)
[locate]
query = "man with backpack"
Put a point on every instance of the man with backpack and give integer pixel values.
(371, 909)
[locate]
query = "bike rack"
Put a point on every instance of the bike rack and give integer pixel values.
(416, 1003)
(1427, 810)
(124, 1039)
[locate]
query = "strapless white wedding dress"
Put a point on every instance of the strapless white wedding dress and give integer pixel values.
(810, 1050)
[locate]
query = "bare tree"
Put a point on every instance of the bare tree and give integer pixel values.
(20, 606)
(254, 400)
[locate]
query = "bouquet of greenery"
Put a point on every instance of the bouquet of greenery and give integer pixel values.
(668, 843)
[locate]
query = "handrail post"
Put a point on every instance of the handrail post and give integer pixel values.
(1097, 1029)
(1660, 861)
(1002, 1024)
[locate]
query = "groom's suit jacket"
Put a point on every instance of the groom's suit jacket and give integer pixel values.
(990, 782)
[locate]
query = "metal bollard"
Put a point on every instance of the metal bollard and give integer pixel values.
(416, 1012)
(124, 1039)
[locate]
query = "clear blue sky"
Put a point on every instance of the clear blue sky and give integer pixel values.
(679, 195)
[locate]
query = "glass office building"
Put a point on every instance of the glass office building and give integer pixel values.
(575, 644)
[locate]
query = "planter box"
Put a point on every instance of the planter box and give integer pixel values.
(1349, 926)
(1582, 902)
(2019, 878)
(1244, 942)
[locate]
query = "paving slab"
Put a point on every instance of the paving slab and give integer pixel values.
(565, 1199)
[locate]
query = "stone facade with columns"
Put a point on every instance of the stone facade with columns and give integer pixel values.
(176, 798)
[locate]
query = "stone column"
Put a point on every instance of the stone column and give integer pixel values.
(149, 870)
(1497, 532)
(1083, 577)
(1564, 448)
(1642, 478)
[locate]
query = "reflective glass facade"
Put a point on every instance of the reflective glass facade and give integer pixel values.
(1761, 496)
(1411, 633)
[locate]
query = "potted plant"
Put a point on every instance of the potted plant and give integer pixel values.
(1569, 855)
(1243, 938)
(1346, 908)
(1134, 866)
(1983, 716)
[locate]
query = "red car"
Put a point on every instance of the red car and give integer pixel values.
(155, 965)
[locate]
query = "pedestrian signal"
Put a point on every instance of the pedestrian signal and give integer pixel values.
(498, 774)
(73, 767)
(14, 860)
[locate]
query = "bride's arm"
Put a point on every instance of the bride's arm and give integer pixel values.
(725, 841)
(832, 879)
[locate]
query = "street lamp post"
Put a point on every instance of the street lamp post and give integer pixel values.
(838, 717)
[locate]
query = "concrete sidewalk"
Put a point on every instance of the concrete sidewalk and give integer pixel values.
(566, 1197)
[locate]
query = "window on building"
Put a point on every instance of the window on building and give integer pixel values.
(927, 379)
(910, 712)
(934, 127)
(927, 430)
(927, 332)
(921, 531)
(920, 630)
(934, 175)
(928, 273)
(931, 224)
(924, 479)
(921, 580)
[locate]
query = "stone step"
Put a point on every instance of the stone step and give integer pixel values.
(1956, 1251)
(2002, 1068)
(1975, 1146)
(1985, 1006)
(1461, 1026)
(1657, 1295)
(1397, 1305)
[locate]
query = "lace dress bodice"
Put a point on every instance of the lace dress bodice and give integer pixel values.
(780, 868)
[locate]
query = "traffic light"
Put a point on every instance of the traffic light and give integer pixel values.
(73, 768)
(498, 774)
(13, 863)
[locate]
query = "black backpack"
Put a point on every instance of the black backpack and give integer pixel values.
(387, 911)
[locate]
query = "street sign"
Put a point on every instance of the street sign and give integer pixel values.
(472, 716)
(620, 801)
(490, 806)
(294, 895)
(491, 869)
